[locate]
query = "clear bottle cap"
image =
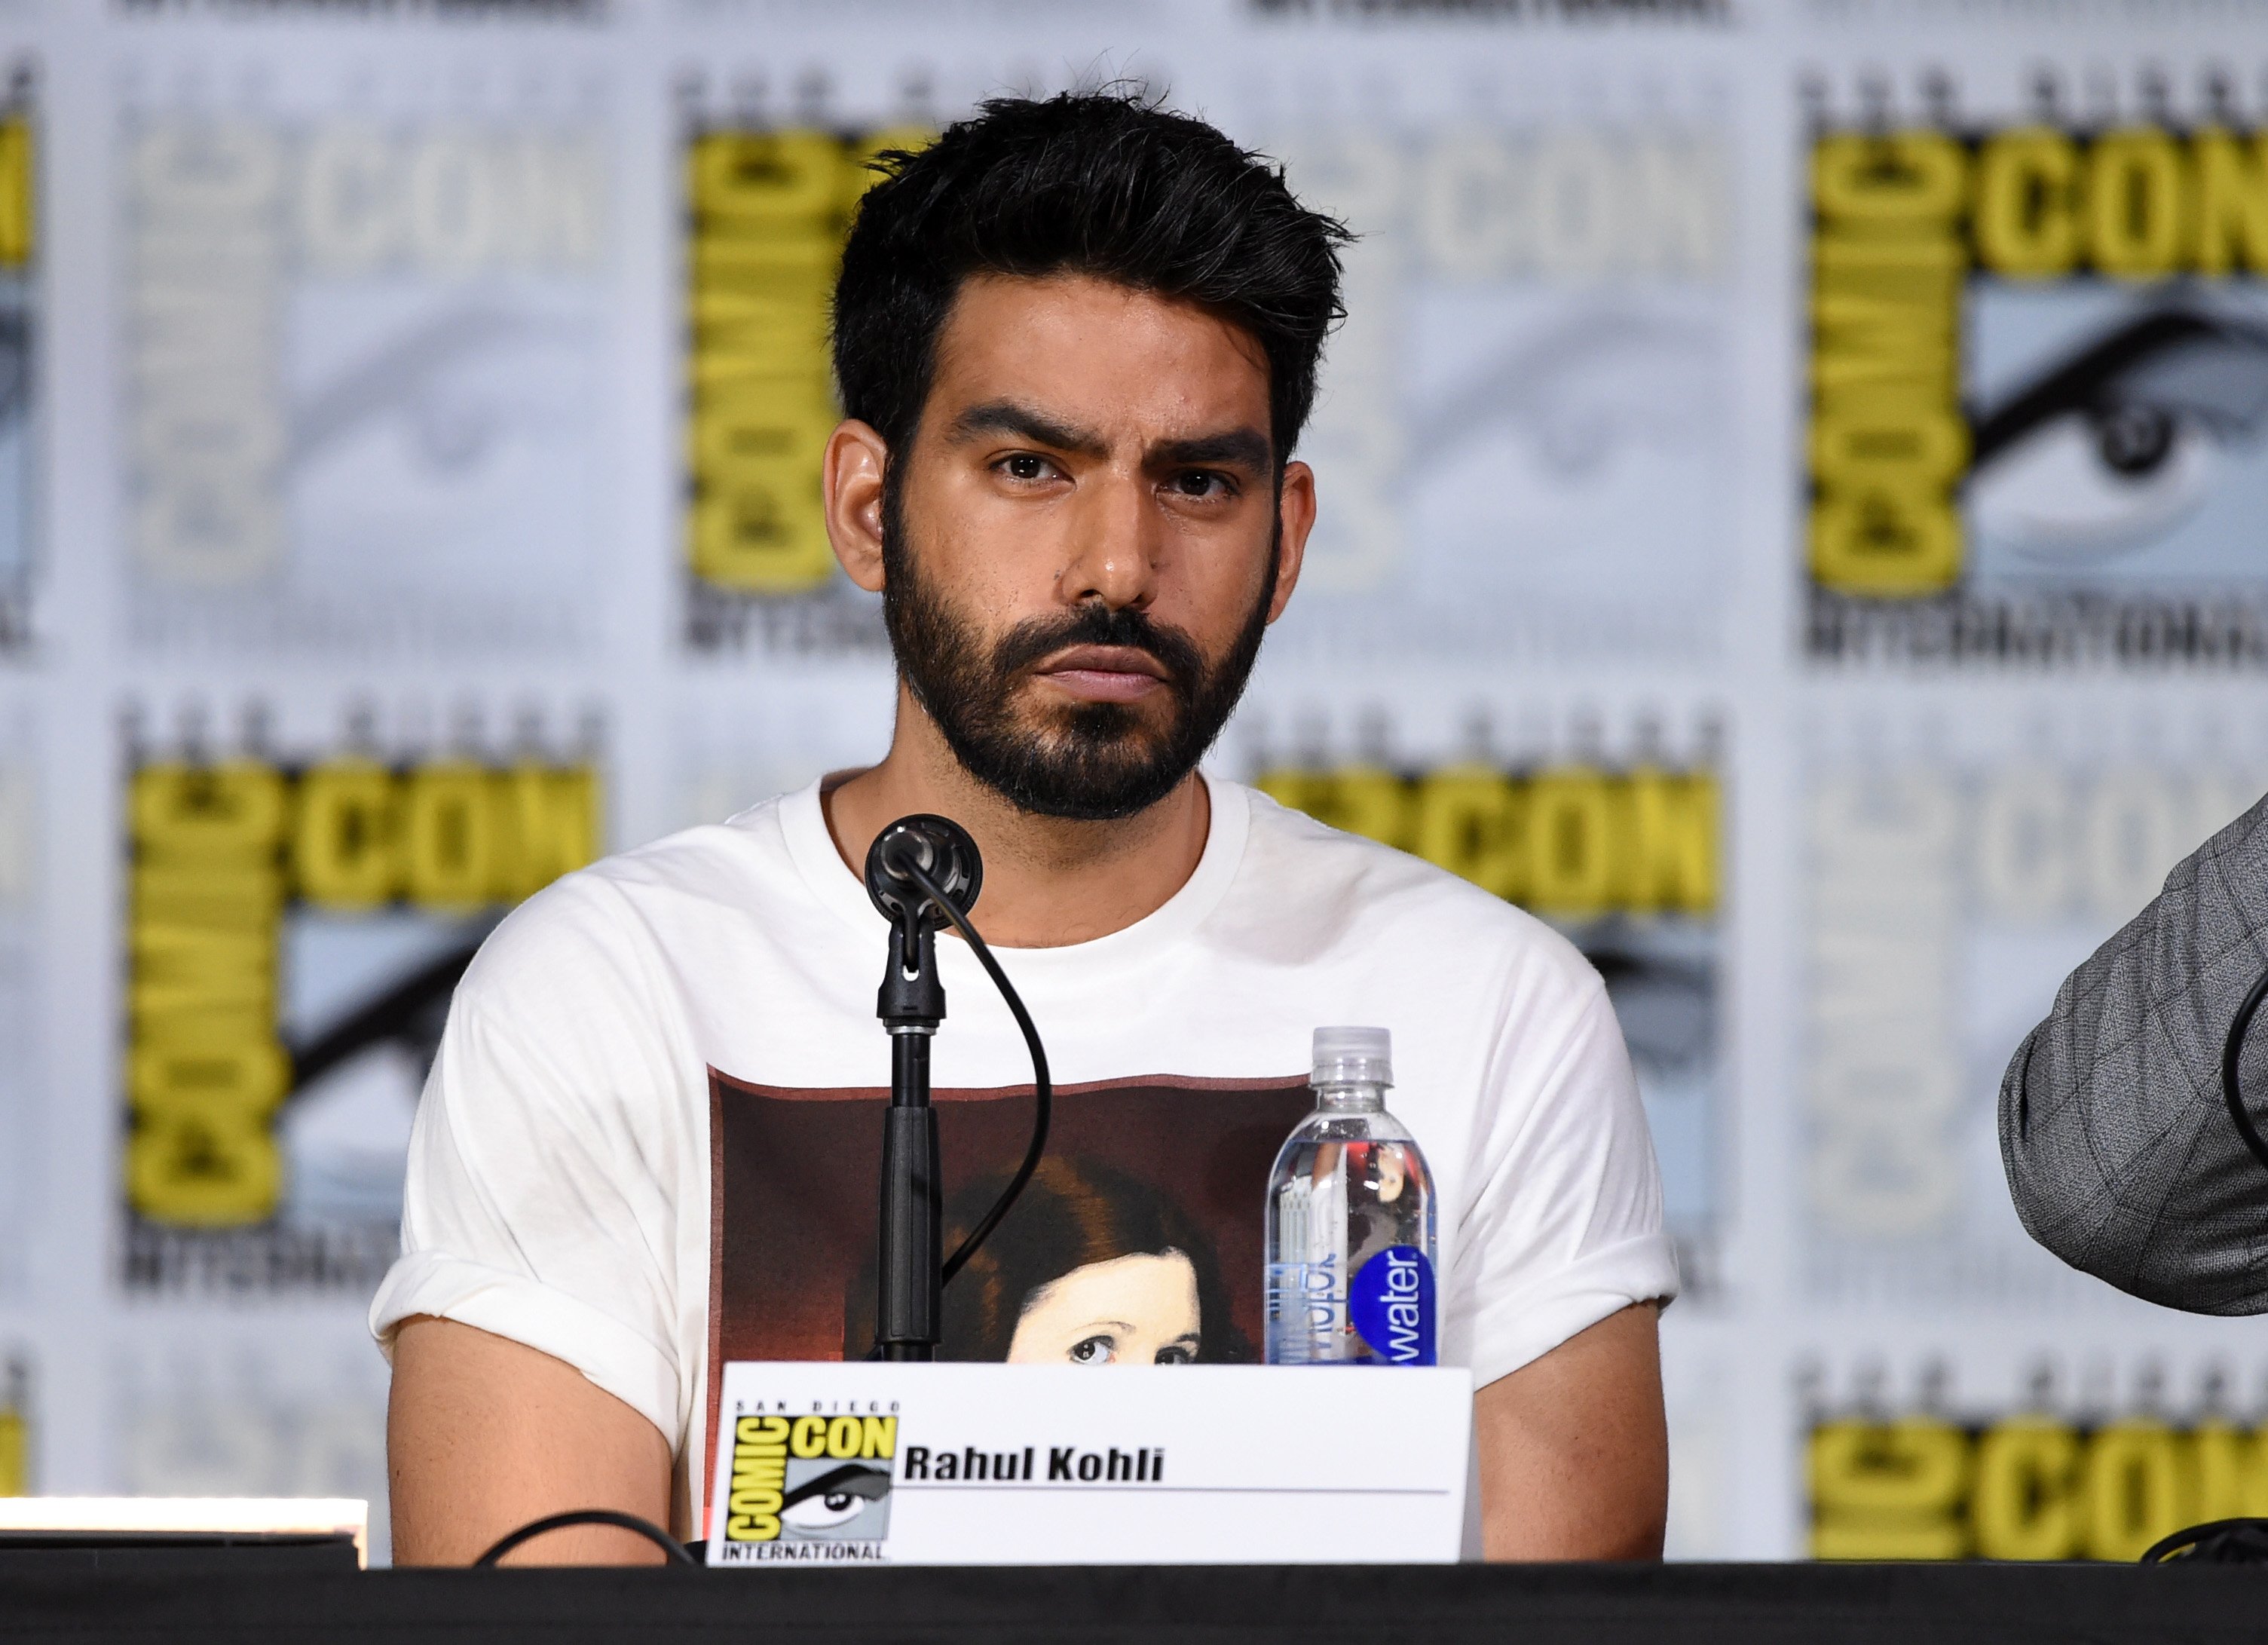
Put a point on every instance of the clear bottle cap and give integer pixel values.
(1353, 1056)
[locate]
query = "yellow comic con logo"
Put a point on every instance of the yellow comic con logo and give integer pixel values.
(811, 1479)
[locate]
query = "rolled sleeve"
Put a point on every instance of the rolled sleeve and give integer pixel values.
(1565, 1225)
(544, 1197)
(1524, 1325)
(639, 1373)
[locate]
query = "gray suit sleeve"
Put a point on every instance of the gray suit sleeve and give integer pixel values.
(2117, 1143)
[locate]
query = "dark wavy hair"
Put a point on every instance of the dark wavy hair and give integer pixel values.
(1102, 183)
(1072, 1214)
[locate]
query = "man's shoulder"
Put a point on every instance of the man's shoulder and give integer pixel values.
(709, 860)
(602, 918)
(1378, 895)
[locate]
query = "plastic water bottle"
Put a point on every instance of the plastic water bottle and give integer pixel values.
(1350, 1221)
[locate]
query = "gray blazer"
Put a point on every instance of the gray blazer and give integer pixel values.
(2119, 1145)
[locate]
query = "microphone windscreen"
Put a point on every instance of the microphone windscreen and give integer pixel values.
(940, 848)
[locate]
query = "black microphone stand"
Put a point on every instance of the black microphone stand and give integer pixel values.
(908, 1281)
(908, 1294)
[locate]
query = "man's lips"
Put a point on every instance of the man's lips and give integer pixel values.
(1104, 674)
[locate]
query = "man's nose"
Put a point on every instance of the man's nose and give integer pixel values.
(1115, 546)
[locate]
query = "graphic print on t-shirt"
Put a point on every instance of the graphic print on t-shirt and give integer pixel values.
(1137, 1241)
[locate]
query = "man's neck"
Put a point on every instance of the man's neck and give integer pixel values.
(1048, 883)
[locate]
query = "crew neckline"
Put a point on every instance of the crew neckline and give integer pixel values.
(803, 823)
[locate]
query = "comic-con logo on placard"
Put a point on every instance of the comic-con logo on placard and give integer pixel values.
(2039, 390)
(808, 1487)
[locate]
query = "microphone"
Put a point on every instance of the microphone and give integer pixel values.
(913, 849)
(911, 863)
(936, 846)
(922, 874)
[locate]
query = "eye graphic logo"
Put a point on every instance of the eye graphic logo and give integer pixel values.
(2115, 443)
(810, 1486)
(2039, 393)
(847, 1501)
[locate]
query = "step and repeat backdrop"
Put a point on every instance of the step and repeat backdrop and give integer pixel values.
(1791, 482)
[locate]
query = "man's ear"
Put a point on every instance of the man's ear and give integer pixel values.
(1295, 512)
(851, 485)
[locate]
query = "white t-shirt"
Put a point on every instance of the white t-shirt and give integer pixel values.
(651, 1138)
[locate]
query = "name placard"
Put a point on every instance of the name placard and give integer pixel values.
(1017, 1464)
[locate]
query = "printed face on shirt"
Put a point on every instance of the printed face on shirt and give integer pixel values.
(1140, 1309)
(1084, 544)
(1142, 1223)
(1093, 1266)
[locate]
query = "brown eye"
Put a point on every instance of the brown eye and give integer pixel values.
(1024, 465)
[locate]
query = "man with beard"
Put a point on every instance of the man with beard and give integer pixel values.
(1076, 341)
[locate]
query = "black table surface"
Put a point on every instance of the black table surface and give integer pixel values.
(1686, 1604)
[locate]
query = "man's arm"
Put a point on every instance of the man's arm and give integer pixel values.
(483, 1434)
(1574, 1450)
(2120, 1153)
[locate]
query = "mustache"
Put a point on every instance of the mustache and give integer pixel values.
(1096, 624)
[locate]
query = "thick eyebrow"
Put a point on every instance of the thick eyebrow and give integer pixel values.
(1241, 448)
(1006, 416)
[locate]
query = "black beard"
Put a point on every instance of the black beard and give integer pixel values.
(1088, 761)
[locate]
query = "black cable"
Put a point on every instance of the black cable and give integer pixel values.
(679, 1555)
(1042, 1087)
(2216, 1542)
(2232, 1054)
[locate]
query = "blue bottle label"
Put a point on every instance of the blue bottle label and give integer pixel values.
(1391, 1303)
